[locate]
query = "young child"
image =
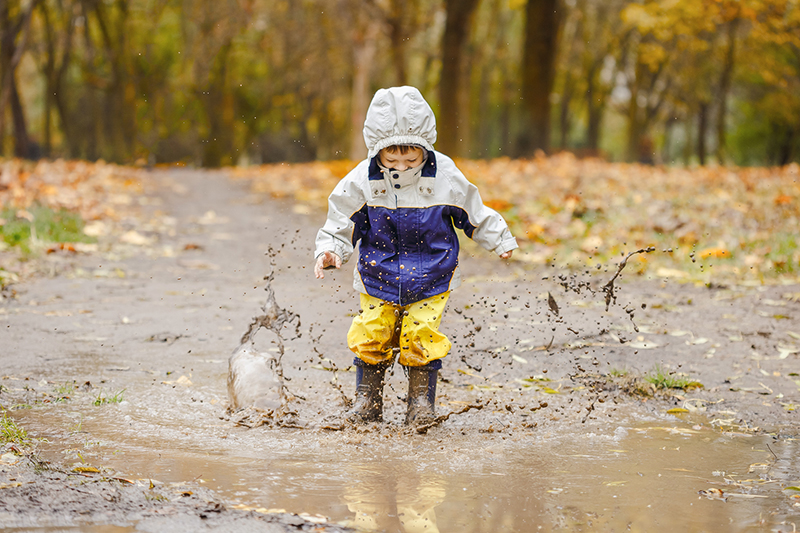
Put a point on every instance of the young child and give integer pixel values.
(402, 205)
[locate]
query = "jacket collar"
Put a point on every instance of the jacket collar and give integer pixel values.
(379, 186)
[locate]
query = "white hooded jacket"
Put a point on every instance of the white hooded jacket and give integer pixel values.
(405, 228)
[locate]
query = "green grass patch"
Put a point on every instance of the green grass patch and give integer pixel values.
(64, 391)
(104, 399)
(10, 432)
(20, 228)
(663, 380)
(618, 372)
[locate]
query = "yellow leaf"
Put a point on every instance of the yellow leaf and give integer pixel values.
(717, 252)
(677, 410)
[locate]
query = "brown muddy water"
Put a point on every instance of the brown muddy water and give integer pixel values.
(644, 473)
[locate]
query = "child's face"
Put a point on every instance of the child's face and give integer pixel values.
(398, 161)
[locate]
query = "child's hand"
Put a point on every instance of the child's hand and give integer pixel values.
(506, 255)
(325, 260)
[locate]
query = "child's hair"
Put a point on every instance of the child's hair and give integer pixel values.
(402, 148)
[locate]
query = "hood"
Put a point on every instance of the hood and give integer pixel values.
(399, 115)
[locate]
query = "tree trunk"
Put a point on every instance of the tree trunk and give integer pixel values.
(56, 73)
(784, 145)
(688, 145)
(49, 75)
(538, 72)
(595, 105)
(10, 55)
(364, 57)
(594, 122)
(22, 143)
(724, 89)
(7, 38)
(219, 113)
(397, 36)
(120, 122)
(634, 118)
(87, 139)
(564, 115)
(453, 84)
(666, 147)
(702, 131)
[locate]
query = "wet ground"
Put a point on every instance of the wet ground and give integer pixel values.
(119, 360)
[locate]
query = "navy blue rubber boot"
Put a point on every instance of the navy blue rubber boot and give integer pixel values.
(422, 393)
(368, 405)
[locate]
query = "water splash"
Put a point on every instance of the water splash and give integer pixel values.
(256, 385)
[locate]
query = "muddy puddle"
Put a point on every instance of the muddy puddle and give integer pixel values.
(646, 473)
(590, 460)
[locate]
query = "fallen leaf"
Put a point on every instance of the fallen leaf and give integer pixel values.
(642, 345)
(10, 459)
(786, 351)
(86, 469)
(183, 380)
(713, 494)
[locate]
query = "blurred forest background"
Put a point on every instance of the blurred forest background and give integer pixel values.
(221, 82)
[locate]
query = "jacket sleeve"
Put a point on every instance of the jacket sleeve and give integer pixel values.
(336, 235)
(483, 224)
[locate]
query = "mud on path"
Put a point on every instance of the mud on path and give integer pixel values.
(119, 360)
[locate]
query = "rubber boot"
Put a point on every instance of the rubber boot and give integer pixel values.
(368, 405)
(422, 394)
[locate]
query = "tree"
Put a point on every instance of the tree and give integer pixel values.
(770, 78)
(542, 21)
(54, 56)
(453, 82)
(15, 25)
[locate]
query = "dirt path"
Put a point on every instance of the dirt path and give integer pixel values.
(152, 320)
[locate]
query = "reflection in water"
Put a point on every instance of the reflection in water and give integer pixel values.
(382, 500)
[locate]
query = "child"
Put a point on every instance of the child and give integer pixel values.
(403, 204)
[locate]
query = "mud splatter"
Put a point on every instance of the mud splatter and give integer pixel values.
(609, 288)
(422, 429)
(331, 367)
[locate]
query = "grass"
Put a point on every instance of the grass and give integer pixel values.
(664, 380)
(64, 391)
(22, 228)
(618, 372)
(10, 432)
(78, 427)
(103, 399)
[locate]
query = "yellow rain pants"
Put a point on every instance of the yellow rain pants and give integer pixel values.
(414, 328)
